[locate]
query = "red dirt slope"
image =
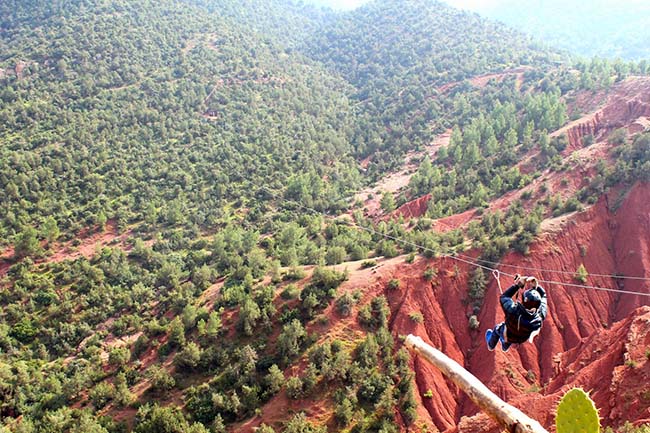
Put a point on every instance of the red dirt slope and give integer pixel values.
(613, 365)
(612, 243)
(627, 106)
(584, 341)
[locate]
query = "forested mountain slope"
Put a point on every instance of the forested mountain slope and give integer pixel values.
(397, 54)
(176, 179)
(133, 110)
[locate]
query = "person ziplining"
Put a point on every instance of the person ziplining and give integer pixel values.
(523, 320)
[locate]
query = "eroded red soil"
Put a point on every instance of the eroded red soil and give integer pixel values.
(588, 339)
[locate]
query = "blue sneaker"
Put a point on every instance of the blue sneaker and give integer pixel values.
(490, 340)
(505, 345)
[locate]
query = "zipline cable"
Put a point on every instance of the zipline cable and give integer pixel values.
(528, 268)
(458, 257)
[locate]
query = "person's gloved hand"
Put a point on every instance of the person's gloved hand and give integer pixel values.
(532, 281)
(520, 281)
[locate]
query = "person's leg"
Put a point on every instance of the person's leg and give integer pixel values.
(492, 337)
(503, 338)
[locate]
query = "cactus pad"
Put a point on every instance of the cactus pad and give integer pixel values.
(577, 413)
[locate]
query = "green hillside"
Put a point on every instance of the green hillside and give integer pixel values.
(209, 147)
(398, 53)
(120, 129)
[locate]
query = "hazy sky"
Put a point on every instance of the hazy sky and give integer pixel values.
(482, 5)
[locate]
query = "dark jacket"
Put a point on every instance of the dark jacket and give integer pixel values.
(520, 324)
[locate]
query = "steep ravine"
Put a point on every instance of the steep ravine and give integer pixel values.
(607, 242)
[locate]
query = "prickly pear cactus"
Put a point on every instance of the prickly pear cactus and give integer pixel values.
(577, 413)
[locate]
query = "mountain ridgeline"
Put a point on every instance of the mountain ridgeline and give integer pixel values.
(171, 173)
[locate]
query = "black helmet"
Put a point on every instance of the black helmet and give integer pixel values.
(532, 299)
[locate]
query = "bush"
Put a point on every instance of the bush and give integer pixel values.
(160, 378)
(327, 279)
(372, 387)
(335, 255)
(290, 292)
(119, 356)
(581, 274)
(274, 380)
(300, 424)
(344, 412)
(394, 284)
(101, 394)
(344, 304)
(618, 136)
(430, 273)
(416, 316)
(189, 357)
(477, 284)
(293, 274)
(294, 388)
(375, 315)
(140, 346)
(368, 264)
(473, 322)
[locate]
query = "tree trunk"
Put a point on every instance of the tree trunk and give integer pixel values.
(511, 418)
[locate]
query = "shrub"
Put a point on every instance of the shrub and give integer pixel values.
(581, 274)
(140, 346)
(294, 388)
(393, 284)
(430, 273)
(101, 394)
(327, 279)
(416, 316)
(160, 378)
(119, 356)
(300, 424)
(477, 284)
(375, 315)
(265, 429)
(274, 380)
(189, 357)
(344, 412)
(368, 264)
(473, 322)
(290, 292)
(344, 304)
(618, 136)
(294, 273)
(335, 255)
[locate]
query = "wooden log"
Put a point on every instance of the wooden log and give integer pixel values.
(511, 418)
